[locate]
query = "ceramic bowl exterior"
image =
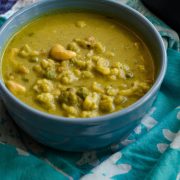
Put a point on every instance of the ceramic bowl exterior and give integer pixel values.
(81, 134)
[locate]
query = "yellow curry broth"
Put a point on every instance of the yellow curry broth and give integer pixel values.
(77, 65)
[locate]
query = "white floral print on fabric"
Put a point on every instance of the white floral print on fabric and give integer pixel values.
(162, 147)
(176, 143)
(178, 115)
(178, 176)
(138, 129)
(169, 135)
(152, 110)
(149, 122)
(108, 169)
(22, 152)
(127, 141)
(172, 137)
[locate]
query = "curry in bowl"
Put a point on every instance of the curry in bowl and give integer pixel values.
(77, 64)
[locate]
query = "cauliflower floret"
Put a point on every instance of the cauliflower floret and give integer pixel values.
(91, 101)
(68, 96)
(68, 77)
(70, 110)
(106, 104)
(83, 92)
(43, 85)
(47, 100)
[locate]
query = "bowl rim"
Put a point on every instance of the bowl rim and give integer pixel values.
(113, 115)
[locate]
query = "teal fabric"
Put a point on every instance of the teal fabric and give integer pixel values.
(2, 20)
(151, 151)
(17, 164)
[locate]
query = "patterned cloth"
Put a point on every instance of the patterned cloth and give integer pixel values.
(6, 5)
(152, 150)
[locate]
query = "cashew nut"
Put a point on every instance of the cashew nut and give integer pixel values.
(58, 52)
(22, 69)
(15, 88)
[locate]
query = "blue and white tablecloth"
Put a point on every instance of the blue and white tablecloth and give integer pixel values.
(152, 150)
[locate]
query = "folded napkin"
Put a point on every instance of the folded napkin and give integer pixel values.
(151, 151)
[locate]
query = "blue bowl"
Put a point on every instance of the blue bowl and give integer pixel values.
(81, 134)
